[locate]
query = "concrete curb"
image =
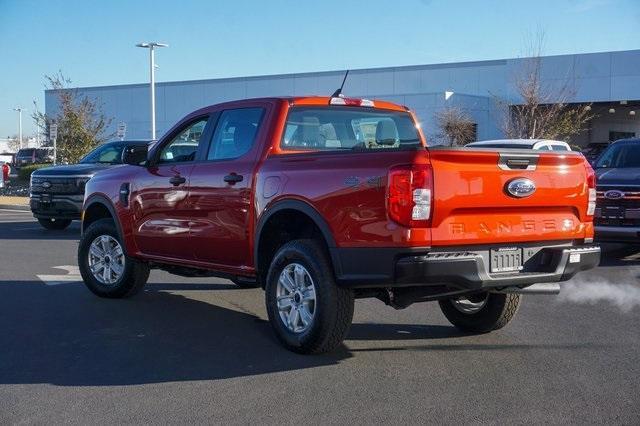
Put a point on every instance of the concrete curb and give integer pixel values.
(14, 207)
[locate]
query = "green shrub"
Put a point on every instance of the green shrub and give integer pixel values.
(25, 171)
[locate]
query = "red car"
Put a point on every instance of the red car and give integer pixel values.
(324, 200)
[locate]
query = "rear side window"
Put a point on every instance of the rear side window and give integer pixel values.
(235, 133)
(348, 128)
(558, 148)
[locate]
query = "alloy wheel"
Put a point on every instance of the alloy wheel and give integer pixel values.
(106, 260)
(296, 298)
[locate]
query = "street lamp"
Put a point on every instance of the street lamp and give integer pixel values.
(152, 71)
(20, 124)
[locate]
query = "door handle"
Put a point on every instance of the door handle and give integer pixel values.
(233, 178)
(177, 180)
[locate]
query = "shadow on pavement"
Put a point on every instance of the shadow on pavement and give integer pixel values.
(620, 255)
(187, 286)
(66, 336)
(490, 347)
(376, 331)
(29, 230)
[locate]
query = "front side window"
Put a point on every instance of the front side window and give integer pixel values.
(184, 146)
(348, 128)
(235, 133)
(108, 154)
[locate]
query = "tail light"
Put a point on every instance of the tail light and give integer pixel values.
(591, 185)
(409, 196)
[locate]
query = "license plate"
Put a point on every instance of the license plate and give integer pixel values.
(45, 198)
(508, 259)
(613, 213)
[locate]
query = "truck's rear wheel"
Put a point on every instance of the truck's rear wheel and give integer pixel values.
(481, 313)
(307, 310)
(54, 224)
(106, 270)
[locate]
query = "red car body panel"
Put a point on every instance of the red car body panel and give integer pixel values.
(208, 223)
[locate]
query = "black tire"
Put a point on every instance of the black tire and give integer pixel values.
(245, 283)
(499, 309)
(54, 224)
(135, 273)
(333, 304)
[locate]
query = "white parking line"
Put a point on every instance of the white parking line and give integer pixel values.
(72, 276)
(15, 211)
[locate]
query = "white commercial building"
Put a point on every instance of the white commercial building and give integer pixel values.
(609, 80)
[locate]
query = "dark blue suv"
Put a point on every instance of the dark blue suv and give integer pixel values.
(617, 216)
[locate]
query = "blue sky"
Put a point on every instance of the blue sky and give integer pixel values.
(92, 42)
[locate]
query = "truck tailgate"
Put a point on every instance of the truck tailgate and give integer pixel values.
(473, 206)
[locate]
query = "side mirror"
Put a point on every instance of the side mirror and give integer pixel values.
(135, 155)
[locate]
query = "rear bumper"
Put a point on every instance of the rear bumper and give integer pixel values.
(60, 207)
(627, 234)
(461, 269)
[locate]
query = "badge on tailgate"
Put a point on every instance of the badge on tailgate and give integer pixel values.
(506, 259)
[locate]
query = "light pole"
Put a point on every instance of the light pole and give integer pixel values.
(19, 124)
(152, 71)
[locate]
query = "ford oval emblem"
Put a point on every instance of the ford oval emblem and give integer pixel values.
(614, 194)
(521, 187)
(46, 185)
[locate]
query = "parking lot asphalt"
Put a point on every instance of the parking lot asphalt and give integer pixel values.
(201, 351)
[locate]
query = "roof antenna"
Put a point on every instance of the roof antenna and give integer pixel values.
(338, 93)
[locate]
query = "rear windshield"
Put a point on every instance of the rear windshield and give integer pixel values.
(333, 128)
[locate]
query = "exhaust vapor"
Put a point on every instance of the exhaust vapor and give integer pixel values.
(624, 293)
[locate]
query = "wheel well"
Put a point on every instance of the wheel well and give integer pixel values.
(95, 211)
(284, 226)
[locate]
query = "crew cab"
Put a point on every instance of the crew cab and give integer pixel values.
(56, 193)
(322, 200)
(617, 216)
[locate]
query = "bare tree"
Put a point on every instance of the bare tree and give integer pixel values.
(544, 112)
(81, 123)
(13, 144)
(456, 126)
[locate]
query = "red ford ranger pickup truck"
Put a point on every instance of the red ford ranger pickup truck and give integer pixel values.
(323, 200)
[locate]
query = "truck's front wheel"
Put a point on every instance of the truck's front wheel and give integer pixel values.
(307, 310)
(106, 270)
(481, 313)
